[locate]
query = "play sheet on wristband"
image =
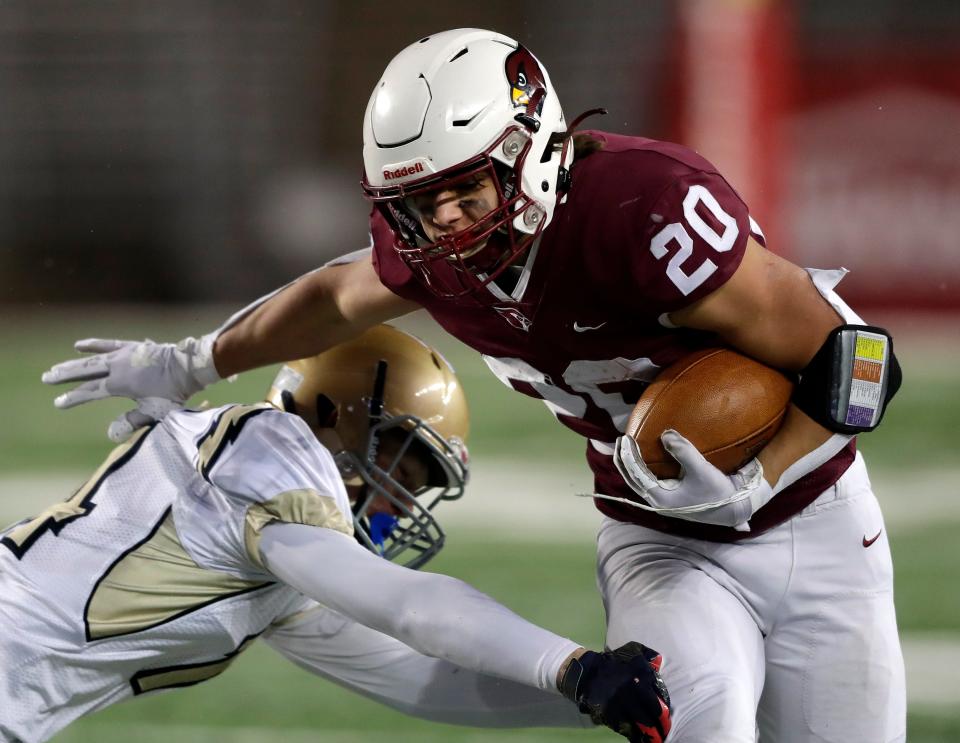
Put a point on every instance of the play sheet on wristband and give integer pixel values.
(866, 379)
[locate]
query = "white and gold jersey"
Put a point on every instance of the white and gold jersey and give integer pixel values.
(149, 576)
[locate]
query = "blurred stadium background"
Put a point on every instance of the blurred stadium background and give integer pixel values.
(161, 164)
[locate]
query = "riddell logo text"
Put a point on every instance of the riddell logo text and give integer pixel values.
(391, 175)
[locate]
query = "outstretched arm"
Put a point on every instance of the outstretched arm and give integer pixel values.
(314, 313)
(363, 660)
(435, 614)
(446, 619)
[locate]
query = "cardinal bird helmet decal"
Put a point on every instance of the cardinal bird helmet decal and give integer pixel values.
(528, 87)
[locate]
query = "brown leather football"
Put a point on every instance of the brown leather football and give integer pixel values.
(728, 405)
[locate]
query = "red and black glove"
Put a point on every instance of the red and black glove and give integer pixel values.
(621, 689)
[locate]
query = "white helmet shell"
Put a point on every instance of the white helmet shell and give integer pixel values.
(447, 98)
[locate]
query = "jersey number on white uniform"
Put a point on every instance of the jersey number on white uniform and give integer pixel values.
(20, 537)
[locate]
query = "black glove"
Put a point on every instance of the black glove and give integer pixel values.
(621, 689)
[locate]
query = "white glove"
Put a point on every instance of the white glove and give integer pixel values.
(160, 377)
(702, 493)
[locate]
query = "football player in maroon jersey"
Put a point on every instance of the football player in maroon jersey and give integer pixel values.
(579, 265)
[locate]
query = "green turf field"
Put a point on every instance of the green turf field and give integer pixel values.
(264, 698)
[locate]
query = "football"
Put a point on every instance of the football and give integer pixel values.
(728, 405)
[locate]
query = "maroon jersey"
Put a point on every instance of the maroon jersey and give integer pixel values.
(647, 228)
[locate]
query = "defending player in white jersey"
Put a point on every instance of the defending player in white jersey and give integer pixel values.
(214, 528)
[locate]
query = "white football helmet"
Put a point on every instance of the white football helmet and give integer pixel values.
(385, 384)
(455, 105)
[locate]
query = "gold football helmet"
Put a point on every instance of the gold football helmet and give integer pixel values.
(386, 385)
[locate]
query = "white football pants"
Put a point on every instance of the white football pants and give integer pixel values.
(790, 635)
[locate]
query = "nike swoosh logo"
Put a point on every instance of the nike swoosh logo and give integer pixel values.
(868, 542)
(584, 328)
